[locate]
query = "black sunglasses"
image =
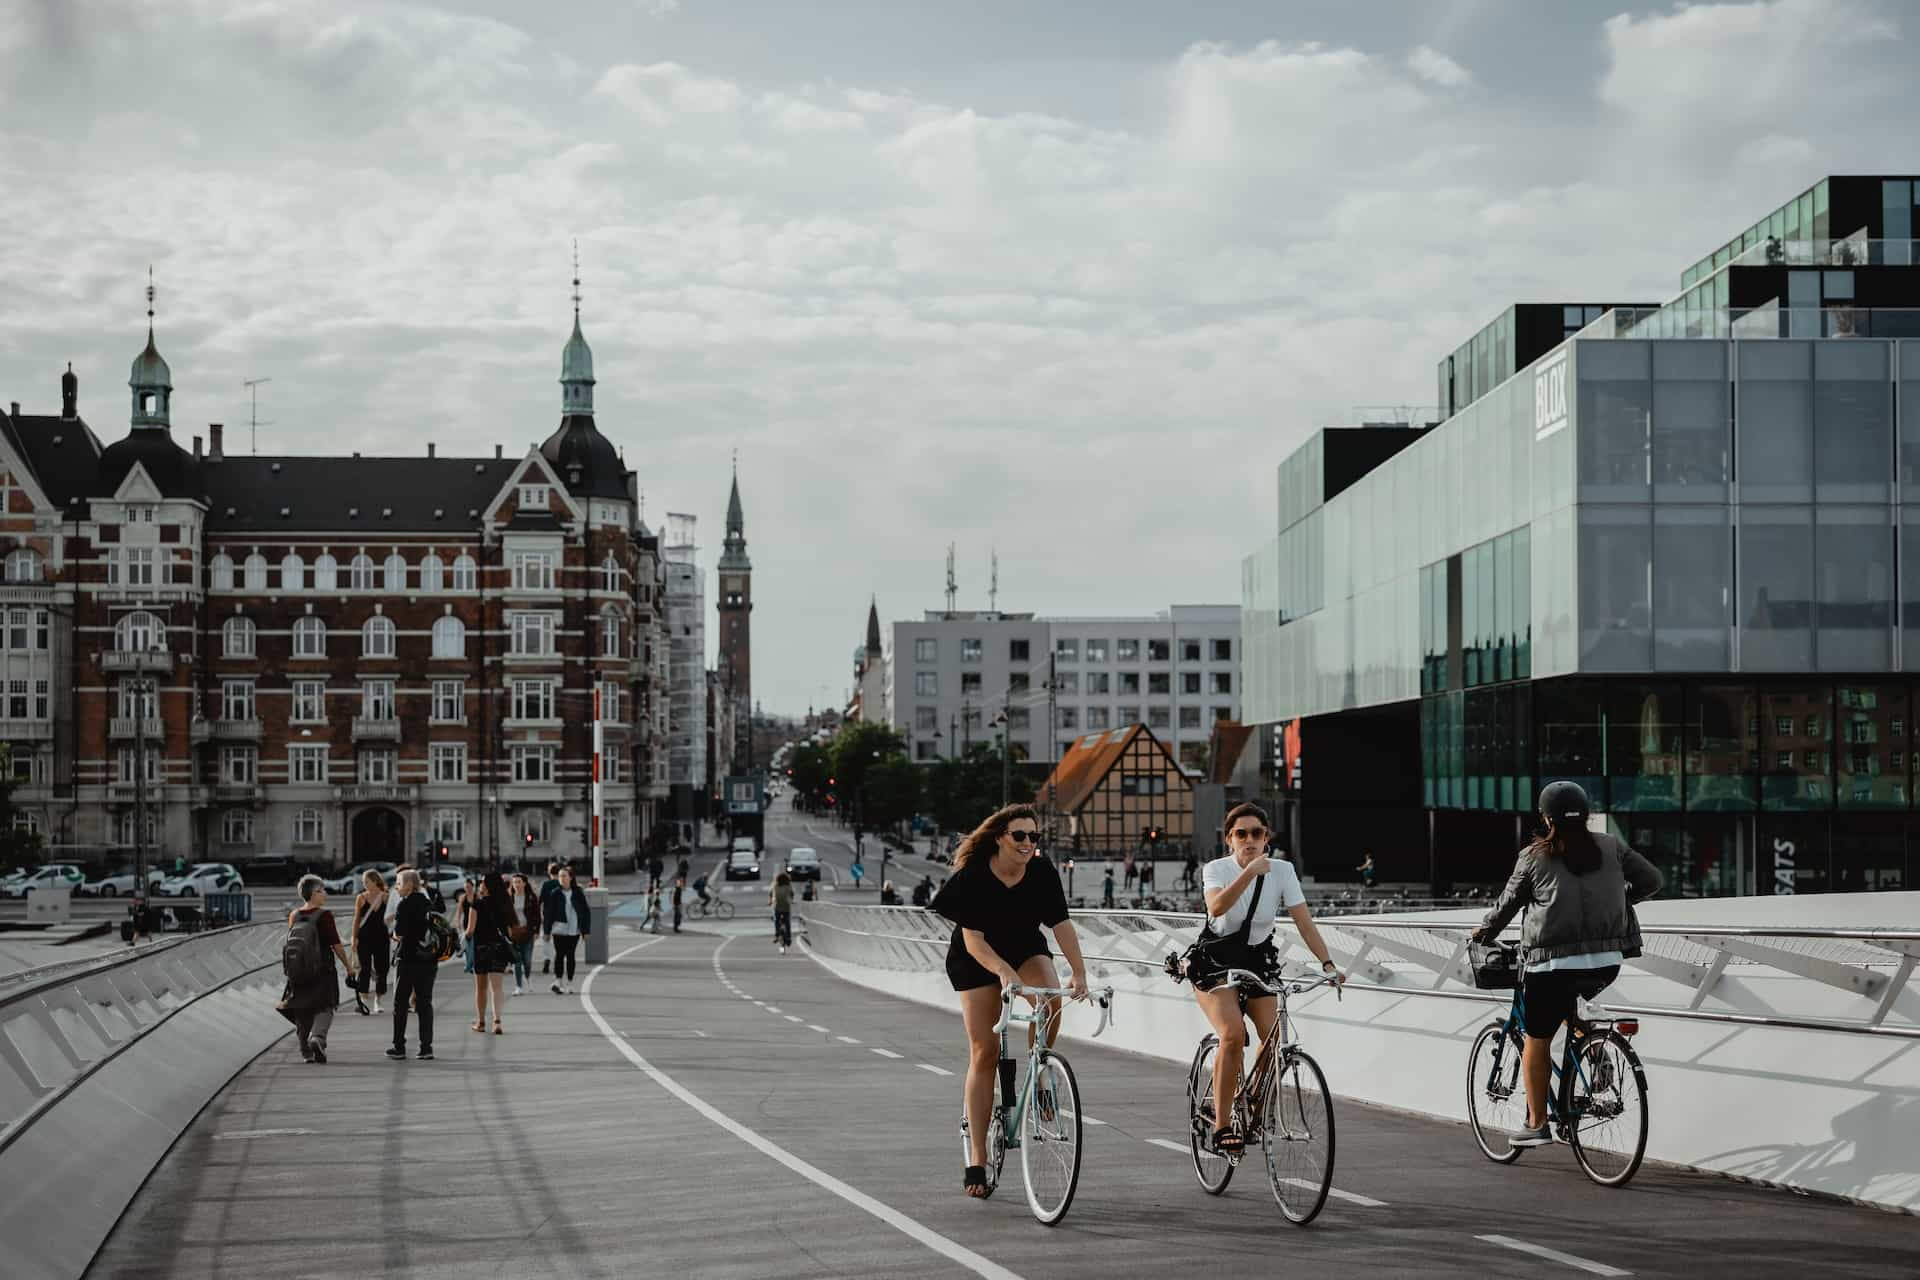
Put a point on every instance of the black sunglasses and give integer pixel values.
(1022, 837)
(1251, 833)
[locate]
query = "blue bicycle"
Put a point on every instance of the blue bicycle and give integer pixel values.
(1598, 1100)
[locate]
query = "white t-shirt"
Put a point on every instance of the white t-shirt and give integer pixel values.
(1280, 887)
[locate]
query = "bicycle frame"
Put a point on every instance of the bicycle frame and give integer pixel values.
(1566, 1068)
(1035, 1018)
(1279, 1045)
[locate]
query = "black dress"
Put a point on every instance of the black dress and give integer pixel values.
(1009, 916)
(492, 949)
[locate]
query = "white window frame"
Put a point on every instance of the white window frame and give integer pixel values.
(377, 700)
(533, 762)
(326, 573)
(535, 495)
(466, 573)
(236, 826)
(256, 572)
(926, 649)
(533, 571)
(237, 700)
(610, 634)
(926, 684)
(449, 637)
(293, 572)
(309, 637)
(536, 694)
(237, 637)
(610, 573)
(394, 572)
(360, 573)
(309, 702)
(449, 702)
(377, 637)
(307, 764)
(152, 631)
(378, 766)
(450, 826)
(23, 565)
(432, 573)
(239, 765)
(447, 761)
(532, 634)
(220, 572)
(309, 827)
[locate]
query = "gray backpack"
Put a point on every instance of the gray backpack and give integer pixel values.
(302, 956)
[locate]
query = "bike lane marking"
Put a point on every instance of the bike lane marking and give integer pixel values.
(888, 1053)
(907, 1226)
(1554, 1255)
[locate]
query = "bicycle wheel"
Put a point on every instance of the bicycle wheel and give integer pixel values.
(1214, 1170)
(1496, 1100)
(1606, 1101)
(1297, 1132)
(1050, 1147)
(721, 909)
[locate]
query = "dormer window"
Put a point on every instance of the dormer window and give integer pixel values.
(141, 515)
(534, 496)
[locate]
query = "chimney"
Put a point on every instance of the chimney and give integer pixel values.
(499, 451)
(429, 448)
(213, 441)
(16, 408)
(69, 394)
(196, 448)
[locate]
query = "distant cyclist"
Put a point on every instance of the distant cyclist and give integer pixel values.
(1245, 891)
(1580, 887)
(1000, 895)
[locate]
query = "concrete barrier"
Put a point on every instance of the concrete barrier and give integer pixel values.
(103, 1065)
(1754, 1070)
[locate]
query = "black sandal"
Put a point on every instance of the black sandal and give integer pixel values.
(1229, 1141)
(976, 1177)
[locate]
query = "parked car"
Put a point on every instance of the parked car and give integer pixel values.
(803, 864)
(51, 875)
(273, 869)
(349, 882)
(449, 879)
(203, 878)
(743, 864)
(121, 883)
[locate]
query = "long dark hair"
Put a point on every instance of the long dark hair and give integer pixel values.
(495, 902)
(1571, 842)
(986, 836)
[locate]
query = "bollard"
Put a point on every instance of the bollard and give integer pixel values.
(597, 915)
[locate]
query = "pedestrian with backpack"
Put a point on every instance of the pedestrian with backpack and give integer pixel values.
(313, 989)
(416, 962)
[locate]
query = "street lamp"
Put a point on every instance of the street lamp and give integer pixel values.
(1006, 775)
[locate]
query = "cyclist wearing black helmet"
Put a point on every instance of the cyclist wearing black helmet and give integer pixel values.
(1579, 886)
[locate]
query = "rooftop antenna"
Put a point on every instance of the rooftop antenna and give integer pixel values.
(149, 302)
(953, 587)
(253, 413)
(576, 283)
(993, 588)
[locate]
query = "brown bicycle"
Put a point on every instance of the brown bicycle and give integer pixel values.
(1282, 1103)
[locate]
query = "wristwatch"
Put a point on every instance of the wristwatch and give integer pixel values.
(1327, 966)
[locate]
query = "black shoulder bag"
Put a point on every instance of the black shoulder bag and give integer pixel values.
(1200, 958)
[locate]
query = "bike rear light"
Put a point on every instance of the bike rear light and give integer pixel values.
(1627, 1026)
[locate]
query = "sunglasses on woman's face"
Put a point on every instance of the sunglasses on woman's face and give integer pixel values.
(1023, 837)
(1249, 833)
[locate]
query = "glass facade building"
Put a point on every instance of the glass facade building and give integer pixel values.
(1680, 571)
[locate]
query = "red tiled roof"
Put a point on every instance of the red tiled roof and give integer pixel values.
(1089, 760)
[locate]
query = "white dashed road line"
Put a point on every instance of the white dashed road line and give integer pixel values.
(928, 1066)
(888, 1053)
(1365, 1202)
(846, 1040)
(1181, 1147)
(1084, 1119)
(1554, 1255)
(811, 1026)
(793, 1017)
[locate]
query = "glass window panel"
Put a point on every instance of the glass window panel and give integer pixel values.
(1644, 735)
(1614, 410)
(1469, 621)
(1567, 725)
(1775, 421)
(1776, 589)
(1503, 607)
(1692, 421)
(1692, 589)
(1616, 553)
(1910, 591)
(1523, 602)
(1792, 857)
(1871, 856)
(1723, 746)
(1908, 461)
(1852, 422)
(1796, 748)
(1484, 607)
(1853, 548)
(1870, 751)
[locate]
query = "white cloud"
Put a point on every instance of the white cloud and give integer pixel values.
(922, 316)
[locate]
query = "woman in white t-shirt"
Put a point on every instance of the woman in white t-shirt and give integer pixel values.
(1245, 883)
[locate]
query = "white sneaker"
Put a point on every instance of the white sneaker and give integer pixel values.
(783, 951)
(376, 1006)
(567, 988)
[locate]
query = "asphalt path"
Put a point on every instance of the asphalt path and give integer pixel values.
(708, 1106)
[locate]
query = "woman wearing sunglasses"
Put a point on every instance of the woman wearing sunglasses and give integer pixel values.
(1244, 891)
(1000, 895)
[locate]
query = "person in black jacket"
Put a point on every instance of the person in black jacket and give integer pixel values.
(566, 922)
(415, 965)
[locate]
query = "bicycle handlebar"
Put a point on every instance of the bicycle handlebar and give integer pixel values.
(1290, 986)
(1102, 996)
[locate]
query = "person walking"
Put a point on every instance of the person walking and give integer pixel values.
(1189, 875)
(313, 989)
(1106, 888)
(372, 944)
(781, 896)
(655, 869)
(1366, 870)
(568, 923)
(487, 923)
(679, 896)
(1131, 871)
(463, 920)
(889, 896)
(548, 888)
(523, 926)
(415, 965)
(1581, 888)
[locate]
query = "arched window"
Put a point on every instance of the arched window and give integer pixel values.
(609, 634)
(256, 572)
(293, 572)
(237, 635)
(449, 637)
(466, 574)
(23, 566)
(610, 573)
(360, 573)
(138, 632)
(326, 573)
(309, 637)
(376, 638)
(430, 576)
(221, 569)
(396, 573)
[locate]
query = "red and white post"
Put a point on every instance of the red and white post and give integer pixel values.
(593, 818)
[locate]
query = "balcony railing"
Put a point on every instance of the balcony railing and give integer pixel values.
(136, 660)
(1852, 251)
(531, 793)
(236, 792)
(1770, 321)
(376, 729)
(387, 792)
(126, 728)
(202, 730)
(26, 730)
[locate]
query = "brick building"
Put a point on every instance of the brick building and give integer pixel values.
(337, 657)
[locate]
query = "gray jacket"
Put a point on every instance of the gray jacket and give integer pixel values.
(1575, 914)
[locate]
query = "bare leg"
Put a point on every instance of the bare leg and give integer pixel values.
(1222, 1007)
(496, 984)
(979, 1010)
(1535, 1062)
(1038, 971)
(479, 1001)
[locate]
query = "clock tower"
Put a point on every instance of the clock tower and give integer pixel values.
(736, 627)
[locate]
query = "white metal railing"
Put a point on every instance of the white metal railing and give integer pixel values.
(1716, 973)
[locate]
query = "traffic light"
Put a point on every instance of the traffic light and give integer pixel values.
(529, 836)
(443, 853)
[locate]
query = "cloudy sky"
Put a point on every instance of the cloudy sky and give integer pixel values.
(1065, 279)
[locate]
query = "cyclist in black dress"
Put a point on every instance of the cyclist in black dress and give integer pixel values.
(1000, 895)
